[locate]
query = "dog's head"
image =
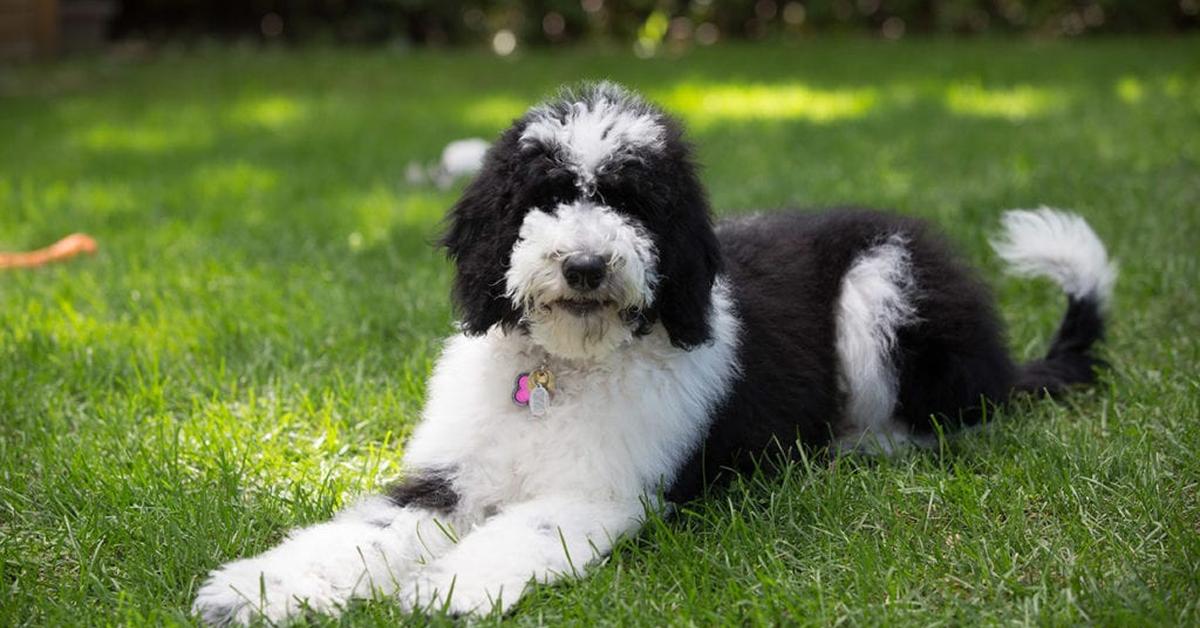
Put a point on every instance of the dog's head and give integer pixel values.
(586, 228)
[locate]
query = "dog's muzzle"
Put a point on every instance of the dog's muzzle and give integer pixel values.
(584, 272)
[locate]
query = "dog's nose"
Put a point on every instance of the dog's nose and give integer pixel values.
(584, 271)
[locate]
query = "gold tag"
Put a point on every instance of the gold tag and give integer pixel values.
(542, 377)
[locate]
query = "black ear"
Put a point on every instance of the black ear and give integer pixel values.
(483, 226)
(689, 255)
(689, 260)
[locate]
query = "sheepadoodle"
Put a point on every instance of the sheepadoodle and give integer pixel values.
(617, 352)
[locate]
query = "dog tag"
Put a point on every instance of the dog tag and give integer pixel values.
(533, 390)
(542, 377)
(539, 401)
(542, 381)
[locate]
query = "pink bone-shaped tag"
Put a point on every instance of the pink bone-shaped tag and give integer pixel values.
(521, 391)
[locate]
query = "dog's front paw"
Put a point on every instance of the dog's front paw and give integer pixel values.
(435, 590)
(245, 590)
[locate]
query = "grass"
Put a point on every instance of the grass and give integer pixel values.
(248, 349)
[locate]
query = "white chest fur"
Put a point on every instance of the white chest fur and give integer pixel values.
(616, 427)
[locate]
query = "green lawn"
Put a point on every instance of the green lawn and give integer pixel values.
(248, 349)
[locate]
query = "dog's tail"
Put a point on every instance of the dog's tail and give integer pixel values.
(1061, 246)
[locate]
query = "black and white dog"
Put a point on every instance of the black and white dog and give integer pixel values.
(616, 349)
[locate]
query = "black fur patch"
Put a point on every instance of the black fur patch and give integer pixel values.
(785, 272)
(428, 489)
(1070, 360)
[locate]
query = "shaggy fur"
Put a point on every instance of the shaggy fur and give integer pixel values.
(682, 352)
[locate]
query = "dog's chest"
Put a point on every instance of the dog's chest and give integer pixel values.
(623, 426)
(599, 426)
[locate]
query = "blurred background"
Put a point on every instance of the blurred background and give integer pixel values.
(41, 28)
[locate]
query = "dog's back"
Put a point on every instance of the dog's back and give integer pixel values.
(863, 329)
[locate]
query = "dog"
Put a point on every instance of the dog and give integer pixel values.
(618, 352)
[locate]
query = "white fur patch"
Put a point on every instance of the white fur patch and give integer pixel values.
(541, 499)
(617, 426)
(535, 280)
(876, 300)
(321, 567)
(595, 131)
(1059, 245)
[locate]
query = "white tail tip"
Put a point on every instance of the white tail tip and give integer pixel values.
(1059, 245)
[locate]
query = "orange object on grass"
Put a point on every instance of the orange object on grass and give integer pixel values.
(66, 248)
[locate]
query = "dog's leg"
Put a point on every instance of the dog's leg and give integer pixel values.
(370, 547)
(541, 540)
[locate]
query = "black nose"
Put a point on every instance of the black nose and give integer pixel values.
(584, 271)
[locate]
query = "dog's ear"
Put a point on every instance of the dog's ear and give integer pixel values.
(689, 255)
(482, 228)
(688, 263)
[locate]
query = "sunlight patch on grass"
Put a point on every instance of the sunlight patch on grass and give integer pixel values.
(86, 328)
(238, 180)
(272, 112)
(144, 138)
(1130, 90)
(380, 210)
(1165, 88)
(1015, 103)
(496, 111)
(289, 439)
(376, 211)
(705, 104)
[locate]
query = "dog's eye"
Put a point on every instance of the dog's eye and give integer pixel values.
(553, 190)
(615, 196)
